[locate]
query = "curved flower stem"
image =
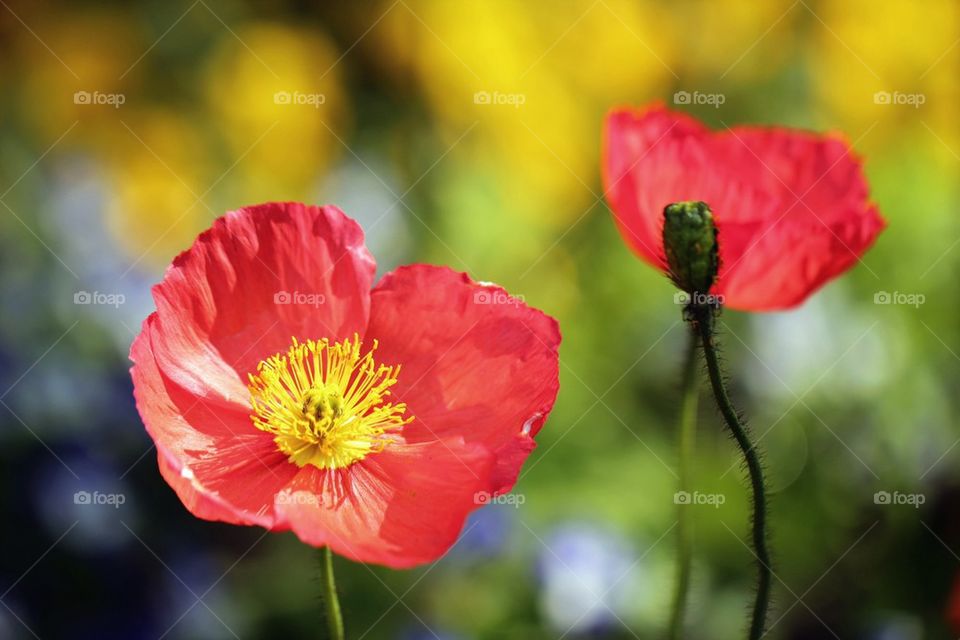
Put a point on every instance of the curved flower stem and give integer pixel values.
(330, 599)
(687, 430)
(703, 317)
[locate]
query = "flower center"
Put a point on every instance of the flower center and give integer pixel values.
(324, 403)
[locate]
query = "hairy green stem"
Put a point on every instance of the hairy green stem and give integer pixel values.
(330, 599)
(687, 434)
(704, 322)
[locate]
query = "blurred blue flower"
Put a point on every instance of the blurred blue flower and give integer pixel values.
(190, 576)
(368, 191)
(88, 500)
(582, 570)
(485, 532)
(422, 633)
(109, 286)
(898, 627)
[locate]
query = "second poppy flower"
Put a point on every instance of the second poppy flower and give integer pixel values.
(792, 207)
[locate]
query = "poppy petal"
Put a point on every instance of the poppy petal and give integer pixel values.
(401, 507)
(259, 276)
(821, 226)
(219, 465)
(476, 362)
(634, 142)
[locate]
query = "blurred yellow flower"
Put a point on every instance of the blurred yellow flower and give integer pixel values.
(274, 93)
(726, 43)
(73, 58)
(534, 80)
(158, 170)
(894, 64)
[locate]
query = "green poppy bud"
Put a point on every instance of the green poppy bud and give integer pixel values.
(690, 244)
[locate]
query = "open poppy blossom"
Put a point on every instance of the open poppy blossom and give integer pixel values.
(283, 390)
(792, 207)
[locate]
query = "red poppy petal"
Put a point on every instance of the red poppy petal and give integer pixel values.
(259, 276)
(822, 224)
(221, 467)
(632, 141)
(401, 507)
(476, 362)
(783, 263)
(821, 172)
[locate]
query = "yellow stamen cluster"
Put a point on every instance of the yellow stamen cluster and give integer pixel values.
(324, 403)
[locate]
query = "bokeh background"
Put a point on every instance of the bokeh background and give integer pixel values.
(467, 133)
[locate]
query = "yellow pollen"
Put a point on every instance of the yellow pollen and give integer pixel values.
(324, 403)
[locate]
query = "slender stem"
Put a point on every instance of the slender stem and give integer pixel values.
(330, 599)
(687, 430)
(703, 318)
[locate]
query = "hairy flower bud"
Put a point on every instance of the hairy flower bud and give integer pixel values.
(690, 244)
